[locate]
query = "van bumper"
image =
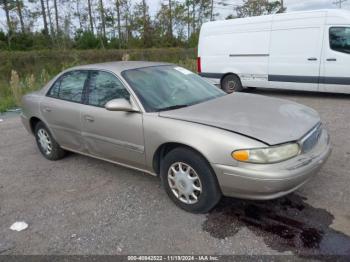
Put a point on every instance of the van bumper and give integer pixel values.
(211, 78)
(264, 182)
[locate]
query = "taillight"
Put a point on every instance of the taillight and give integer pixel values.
(199, 66)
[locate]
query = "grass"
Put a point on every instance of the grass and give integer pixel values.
(6, 103)
(22, 72)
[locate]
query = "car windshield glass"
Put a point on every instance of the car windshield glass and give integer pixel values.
(161, 88)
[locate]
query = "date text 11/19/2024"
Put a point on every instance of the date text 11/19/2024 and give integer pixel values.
(173, 258)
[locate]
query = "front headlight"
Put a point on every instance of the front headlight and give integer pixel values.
(267, 155)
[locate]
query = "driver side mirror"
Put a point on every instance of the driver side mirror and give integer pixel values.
(121, 104)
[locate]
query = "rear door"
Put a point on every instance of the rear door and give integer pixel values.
(336, 60)
(61, 109)
(295, 56)
(115, 136)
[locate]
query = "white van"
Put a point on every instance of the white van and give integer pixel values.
(298, 50)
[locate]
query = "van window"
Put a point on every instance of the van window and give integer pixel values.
(339, 38)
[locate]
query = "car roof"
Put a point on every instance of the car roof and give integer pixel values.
(115, 67)
(120, 66)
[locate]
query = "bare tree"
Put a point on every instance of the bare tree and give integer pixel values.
(282, 8)
(117, 5)
(78, 13)
(43, 14)
(170, 30)
(188, 19)
(127, 18)
(339, 3)
(103, 18)
(50, 18)
(193, 16)
(90, 17)
(6, 6)
(56, 17)
(145, 22)
(212, 10)
(19, 6)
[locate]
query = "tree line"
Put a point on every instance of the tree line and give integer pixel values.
(89, 24)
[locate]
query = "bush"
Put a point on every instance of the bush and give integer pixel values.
(86, 40)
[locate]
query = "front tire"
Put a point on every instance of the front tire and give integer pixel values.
(189, 181)
(231, 83)
(47, 145)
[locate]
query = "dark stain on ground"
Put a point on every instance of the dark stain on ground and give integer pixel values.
(285, 224)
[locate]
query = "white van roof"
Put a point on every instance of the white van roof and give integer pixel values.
(334, 17)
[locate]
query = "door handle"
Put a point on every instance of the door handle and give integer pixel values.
(331, 59)
(47, 109)
(312, 59)
(89, 118)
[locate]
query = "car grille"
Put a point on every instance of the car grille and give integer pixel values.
(311, 139)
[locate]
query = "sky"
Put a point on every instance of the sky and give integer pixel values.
(292, 5)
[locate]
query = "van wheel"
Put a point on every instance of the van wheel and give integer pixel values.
(231, 83)
(189, 181)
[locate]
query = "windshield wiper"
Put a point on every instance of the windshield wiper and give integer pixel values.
(172, 107)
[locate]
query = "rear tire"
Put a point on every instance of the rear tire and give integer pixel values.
(231, 83)
(193, 186)
(47, 145)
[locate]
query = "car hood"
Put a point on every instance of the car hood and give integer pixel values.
(270, 120)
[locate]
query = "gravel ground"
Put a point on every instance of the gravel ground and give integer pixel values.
(80, 205)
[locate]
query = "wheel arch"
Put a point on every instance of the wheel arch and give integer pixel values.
(33, 121)
(165, 148)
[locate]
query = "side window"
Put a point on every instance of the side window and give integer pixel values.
(69, 87)
(104, 87)
(55, 89)
(339, 39)
(72, 86)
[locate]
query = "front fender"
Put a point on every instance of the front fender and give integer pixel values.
(215, 144)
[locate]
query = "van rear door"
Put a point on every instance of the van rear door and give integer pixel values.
(335, 73)
(295, 53)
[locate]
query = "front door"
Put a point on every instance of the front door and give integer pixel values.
(336, 60)
(61, 109)
(115, 136)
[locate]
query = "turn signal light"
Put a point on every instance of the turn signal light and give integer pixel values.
(242, 155)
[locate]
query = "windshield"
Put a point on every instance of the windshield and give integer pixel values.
(162, 88)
